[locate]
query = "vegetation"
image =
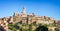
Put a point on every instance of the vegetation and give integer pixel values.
(28, 27)
(13, 27)
(42, 28)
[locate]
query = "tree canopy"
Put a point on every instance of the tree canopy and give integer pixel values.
(41, 28)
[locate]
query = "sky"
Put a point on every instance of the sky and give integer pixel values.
(49, 8)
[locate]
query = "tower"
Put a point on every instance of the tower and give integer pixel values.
(24, 10)
(16, 13)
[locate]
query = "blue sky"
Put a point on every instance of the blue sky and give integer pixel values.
(49, 8)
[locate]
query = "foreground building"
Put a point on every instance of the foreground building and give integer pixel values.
(26, 19)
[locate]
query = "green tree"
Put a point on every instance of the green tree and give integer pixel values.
(11, 26)
(41, 28)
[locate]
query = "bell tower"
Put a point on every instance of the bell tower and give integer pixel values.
(24, 10)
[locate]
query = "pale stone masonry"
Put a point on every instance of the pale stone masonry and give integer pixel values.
(25, 18)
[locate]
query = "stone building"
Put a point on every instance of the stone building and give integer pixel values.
(25, 18)
(4, 23)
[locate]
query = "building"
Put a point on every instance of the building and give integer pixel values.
(25, 18)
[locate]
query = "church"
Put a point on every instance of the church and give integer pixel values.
(26, 19)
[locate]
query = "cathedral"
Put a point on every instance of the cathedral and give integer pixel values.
(25, 18)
